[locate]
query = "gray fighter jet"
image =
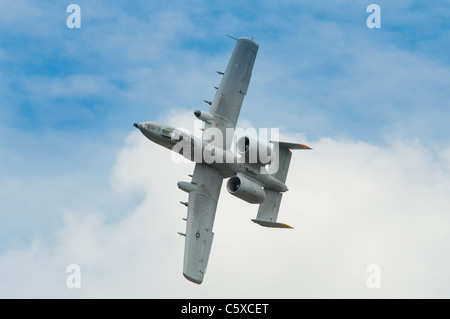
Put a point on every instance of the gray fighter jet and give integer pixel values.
(250, 179)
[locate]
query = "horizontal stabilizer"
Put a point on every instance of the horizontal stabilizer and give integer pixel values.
(292, 146)
(266, 223)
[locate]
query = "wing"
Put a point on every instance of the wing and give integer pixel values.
(204, 193)
(227, 103)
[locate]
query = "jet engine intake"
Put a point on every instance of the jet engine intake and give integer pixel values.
(254, 151)
(246, 189)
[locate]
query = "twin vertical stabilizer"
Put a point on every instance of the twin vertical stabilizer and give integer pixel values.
(268, 210)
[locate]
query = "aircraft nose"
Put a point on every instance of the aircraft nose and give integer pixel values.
(138, 126)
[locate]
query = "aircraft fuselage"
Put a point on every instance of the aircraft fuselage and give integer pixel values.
(200, 151)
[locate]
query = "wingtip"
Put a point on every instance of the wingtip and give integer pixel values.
(305, 146)
(270, 224)
(197, 281)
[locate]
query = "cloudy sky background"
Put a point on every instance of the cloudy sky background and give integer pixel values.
(79, 185)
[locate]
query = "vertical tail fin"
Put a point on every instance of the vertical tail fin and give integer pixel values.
(284, 158)
(268, 210)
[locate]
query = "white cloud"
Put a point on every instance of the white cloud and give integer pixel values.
(352, 204)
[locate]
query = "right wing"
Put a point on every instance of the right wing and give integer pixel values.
(227, 102)
(204, 191)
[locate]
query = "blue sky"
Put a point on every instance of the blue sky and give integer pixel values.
(68, 97)
(328, 63)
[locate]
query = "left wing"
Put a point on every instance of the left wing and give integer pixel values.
(204, 191)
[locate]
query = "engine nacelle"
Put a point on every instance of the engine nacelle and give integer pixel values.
(246, 189)
(253, 151)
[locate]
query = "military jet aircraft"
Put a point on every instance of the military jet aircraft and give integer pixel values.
(248, 180)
